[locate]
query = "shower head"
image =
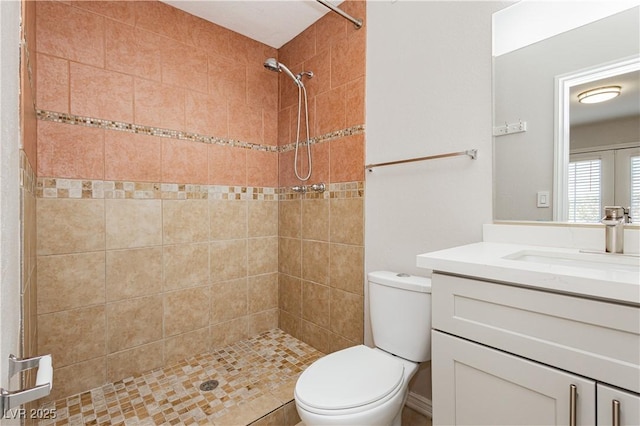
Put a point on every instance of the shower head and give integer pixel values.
(273, 65)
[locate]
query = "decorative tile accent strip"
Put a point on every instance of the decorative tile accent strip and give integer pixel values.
(355, 130)
(27, 175)
(249, 372)
(60, 117)
(98, 189)
(334, 190)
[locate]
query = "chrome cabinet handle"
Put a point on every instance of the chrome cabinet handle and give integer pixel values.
(615, 412)
(573, 406)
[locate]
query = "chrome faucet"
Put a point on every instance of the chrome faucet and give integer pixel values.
(614, 219)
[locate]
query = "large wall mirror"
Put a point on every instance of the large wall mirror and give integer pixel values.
(555, 158)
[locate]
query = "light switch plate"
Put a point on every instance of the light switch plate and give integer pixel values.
(543, 199)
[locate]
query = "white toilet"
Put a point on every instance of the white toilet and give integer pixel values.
(364, 386)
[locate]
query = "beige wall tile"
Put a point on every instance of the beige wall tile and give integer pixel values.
(338, 342)
(228, 219)
(70, 226)
(263, 255)
(315, 219)
(133, 322)
(263, 218)
(289, 218)
(186, 345)
(78, 378)
(263, 321)
(186, 310)
(285, 391)
(133, 223)
(316, 303)
(347, 313)
(72, 336)
(262, 292)
(347, 221)
(30, 318)
(264, 404)
(346, 270)
(228, 300)
(70, 281)
(275, 418)
(238, 415)
(291, 417)
(185, 265)
(229, 332)
(290, 256)
(28, 236)
(134, 272)
(318, 337)
(134, 361)
(228, 260)
(315, 261)
(290, 324)
(185, 221)
(290, 294)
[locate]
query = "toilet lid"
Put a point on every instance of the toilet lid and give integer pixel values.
(349, 378)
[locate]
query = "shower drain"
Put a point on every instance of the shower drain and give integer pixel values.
(209, 385)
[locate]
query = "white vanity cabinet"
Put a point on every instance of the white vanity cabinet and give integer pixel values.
(507, 354)
(477, 385)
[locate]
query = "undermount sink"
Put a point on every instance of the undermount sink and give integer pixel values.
(602, 261)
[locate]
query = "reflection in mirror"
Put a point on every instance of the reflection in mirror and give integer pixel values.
(604, 147)
(527, 88)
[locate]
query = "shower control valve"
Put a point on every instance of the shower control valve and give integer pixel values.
(317, 187)
(299, 188)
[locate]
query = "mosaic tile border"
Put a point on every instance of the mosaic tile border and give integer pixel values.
(99, 189)
(334, 191)
(65, 118)
(28, 180)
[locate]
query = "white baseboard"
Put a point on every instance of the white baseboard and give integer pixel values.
(419, 403)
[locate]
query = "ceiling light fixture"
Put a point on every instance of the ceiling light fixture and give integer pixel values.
(600, 94)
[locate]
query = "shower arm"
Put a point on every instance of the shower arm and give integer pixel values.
(356, 22)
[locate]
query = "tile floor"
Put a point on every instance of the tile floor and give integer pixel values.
(256, 378)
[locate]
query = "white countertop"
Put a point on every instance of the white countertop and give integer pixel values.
(486, 260)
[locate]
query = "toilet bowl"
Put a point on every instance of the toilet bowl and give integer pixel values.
(355, 386)
(363, 386)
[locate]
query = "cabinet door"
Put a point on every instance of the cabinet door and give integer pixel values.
(478, 385)
(628, 407)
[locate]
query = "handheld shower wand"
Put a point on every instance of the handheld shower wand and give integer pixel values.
(273, 65)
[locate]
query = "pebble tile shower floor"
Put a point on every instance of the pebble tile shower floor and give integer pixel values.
(256, 380)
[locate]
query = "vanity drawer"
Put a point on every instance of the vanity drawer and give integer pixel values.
(597, 339)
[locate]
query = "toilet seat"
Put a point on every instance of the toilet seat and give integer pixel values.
(348, 381)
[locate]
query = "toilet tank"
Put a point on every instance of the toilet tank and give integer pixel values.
(400, 312)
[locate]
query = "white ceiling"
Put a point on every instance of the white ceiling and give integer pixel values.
(273, 23)
(625, 105)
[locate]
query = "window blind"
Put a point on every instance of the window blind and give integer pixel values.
(585, 191)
